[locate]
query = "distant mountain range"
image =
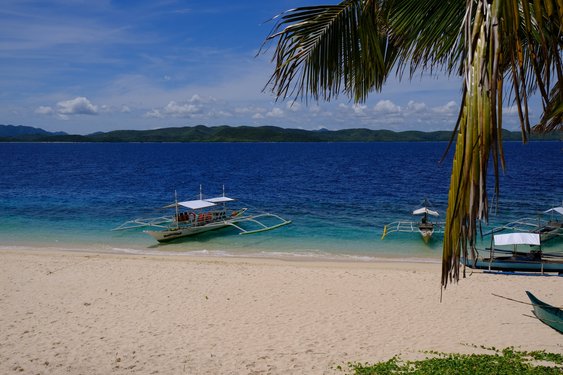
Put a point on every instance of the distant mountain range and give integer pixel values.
(200, 133)
(19, 131)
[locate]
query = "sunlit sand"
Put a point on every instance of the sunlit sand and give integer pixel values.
(94, 313)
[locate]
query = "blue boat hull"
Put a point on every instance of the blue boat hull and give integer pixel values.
(550, 315)
(515, 263)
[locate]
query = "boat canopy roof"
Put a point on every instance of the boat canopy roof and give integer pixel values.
(220, 199)
(425, 210)
(200, 203)
(517, 239)
(197, 204)
(555, 209)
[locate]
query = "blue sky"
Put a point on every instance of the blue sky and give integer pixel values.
(86, 66)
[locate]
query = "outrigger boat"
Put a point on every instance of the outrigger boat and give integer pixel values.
(425, 226)
(498, 259)
(203, 215)
(548, 229)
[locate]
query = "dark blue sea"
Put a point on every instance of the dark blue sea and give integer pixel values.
(339, 195)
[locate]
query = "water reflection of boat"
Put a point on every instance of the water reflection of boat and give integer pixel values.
(425, 226)
(204, 215)
(502, 259)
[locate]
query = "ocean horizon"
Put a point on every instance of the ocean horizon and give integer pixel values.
(338, 195)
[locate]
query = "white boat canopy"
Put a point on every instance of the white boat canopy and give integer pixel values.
(220, 200)
(517, 239)
(196, 205)
(200, 203)
(555, 209)
(425, 210)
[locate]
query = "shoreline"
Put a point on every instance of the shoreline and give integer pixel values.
(157, 251)
(411, 264)
(100, 313)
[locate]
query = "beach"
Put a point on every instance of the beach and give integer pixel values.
(98, 313)
(65, 312)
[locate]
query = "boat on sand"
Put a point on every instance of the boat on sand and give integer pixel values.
(548, 314)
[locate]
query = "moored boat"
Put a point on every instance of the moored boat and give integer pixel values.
(203, 215)
(425, 226)
(502, 259)
(550, 228)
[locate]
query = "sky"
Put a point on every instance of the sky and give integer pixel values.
(86, 66)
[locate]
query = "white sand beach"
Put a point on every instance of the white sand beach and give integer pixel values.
(96, 313)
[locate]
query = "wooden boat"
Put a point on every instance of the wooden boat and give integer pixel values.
(534, 260)
(550, 228)
(425, 226)
(550, 315)
(553, 228)
(203, 215)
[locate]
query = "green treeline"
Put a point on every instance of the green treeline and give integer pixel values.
(202, 133)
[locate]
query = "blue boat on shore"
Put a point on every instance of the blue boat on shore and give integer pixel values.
(550, 315)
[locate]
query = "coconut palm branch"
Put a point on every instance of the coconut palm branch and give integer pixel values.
(323, 50)
(499, 47)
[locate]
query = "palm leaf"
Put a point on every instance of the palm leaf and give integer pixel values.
(428, 35)
(323, 50)
(552, 119)
(352, 47)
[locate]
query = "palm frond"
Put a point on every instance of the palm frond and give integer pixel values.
(552, 119)
(504, 40)
(428, 34)
(495, 45)
(324, 50)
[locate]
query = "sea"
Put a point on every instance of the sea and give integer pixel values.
(339, 196)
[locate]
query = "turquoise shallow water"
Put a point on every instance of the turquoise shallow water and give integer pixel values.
(339, 195)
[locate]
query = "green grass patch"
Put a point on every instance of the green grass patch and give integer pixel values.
(502, 362)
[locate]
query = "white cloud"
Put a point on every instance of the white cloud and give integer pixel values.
(315, 109)
(196, 106)
(416, 106)
(359, 109)
(198, 99)
(386, 106)
(77, 106)
(155, 113)
(251, 109)
(182, 110)
(450, 108)
(258, 116)
(44, 110)
(275, 112)
(220, 114)
(293, 106)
